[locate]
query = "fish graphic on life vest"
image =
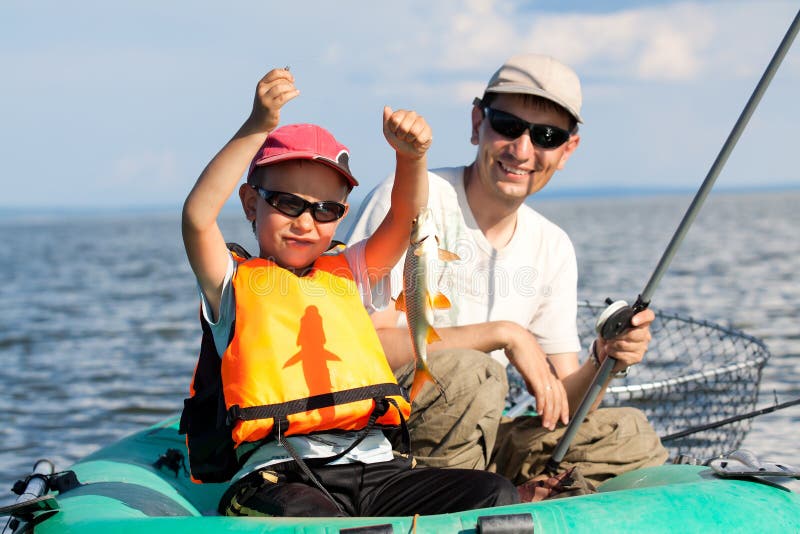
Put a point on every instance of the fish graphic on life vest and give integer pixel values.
(313, 357)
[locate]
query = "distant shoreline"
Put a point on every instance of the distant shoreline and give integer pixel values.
(232, 207)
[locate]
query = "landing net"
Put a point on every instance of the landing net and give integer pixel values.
(695, 372)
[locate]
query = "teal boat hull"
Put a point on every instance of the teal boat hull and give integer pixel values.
(123, 491)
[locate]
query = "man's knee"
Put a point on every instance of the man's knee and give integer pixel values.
(462, 370)
(457, 426)
(466, 360)
(460, 373)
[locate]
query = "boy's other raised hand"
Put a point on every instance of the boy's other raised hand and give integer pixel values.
(273, 91)
(407, 132)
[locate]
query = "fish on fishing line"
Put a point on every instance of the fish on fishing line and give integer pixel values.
(420, 296)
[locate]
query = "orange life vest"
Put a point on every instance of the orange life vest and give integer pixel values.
(304, 353)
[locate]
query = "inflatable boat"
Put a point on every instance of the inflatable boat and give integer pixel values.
(140, 484)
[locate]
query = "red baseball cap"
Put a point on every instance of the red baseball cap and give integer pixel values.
(304, 141)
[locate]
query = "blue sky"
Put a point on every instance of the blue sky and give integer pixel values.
(123, 103)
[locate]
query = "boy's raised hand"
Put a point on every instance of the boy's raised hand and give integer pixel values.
(273, 91)
(407, 132)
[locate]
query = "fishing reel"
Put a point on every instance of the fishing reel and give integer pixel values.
(616, 318)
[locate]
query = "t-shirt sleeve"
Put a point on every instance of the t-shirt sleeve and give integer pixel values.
(221, 329)
(555, 322)
(374, 297)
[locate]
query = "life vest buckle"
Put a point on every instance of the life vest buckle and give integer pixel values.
(381, 406)
(234, 414)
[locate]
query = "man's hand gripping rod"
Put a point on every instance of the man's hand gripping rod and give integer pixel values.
(617, 317)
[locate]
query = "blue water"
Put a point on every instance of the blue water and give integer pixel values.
(100, 330)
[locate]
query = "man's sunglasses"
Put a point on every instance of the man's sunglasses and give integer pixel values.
(293, 205)
(511, 126)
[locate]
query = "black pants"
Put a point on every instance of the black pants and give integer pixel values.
(390, 488)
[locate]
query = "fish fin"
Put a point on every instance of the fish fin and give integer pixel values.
(421, 375)
(432, 335)
(419, 251)
(400, 303)
(440, 302)
(446, 255)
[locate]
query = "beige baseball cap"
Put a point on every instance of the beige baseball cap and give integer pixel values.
(535, 74)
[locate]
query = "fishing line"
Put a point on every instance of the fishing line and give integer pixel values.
(729, 420)
(617, 317)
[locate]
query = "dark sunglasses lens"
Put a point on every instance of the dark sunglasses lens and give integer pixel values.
(512, 127)
(548, 136)
(292, 206)
(288, 204)
(506, 125)
(328, 211)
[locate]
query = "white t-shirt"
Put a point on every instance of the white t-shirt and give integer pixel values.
(374, 447)
(531, 281)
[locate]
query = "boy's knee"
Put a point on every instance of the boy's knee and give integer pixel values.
(291, 499)
(502, 489)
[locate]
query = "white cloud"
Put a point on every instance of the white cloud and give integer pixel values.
(654, 43)
(665, 42)
(668, 55)
(174, 95)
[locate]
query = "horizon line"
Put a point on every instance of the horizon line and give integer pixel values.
(547, 194)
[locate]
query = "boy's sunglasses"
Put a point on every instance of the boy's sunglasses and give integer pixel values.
(511, 126)
(293, 205)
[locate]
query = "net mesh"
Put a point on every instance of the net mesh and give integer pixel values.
(695, 372)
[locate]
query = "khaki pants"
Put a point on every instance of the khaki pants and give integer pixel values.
(459, 431)
(465, 428)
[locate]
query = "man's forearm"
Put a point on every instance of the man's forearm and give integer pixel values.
(576, 384)
(484, 337)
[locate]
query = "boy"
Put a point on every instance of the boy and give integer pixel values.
(292, 330)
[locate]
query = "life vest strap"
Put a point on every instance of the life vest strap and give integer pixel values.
(315, 402)
(406, 435)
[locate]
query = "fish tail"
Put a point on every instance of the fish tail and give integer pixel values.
(422, 375)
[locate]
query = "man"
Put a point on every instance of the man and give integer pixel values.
(514, 295)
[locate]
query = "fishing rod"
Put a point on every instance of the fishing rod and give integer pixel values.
(617, 317)
(722, 422)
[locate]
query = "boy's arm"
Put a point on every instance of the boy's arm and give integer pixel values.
(410, 136)
(202, 238)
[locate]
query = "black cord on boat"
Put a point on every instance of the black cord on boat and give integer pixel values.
(173, 460)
